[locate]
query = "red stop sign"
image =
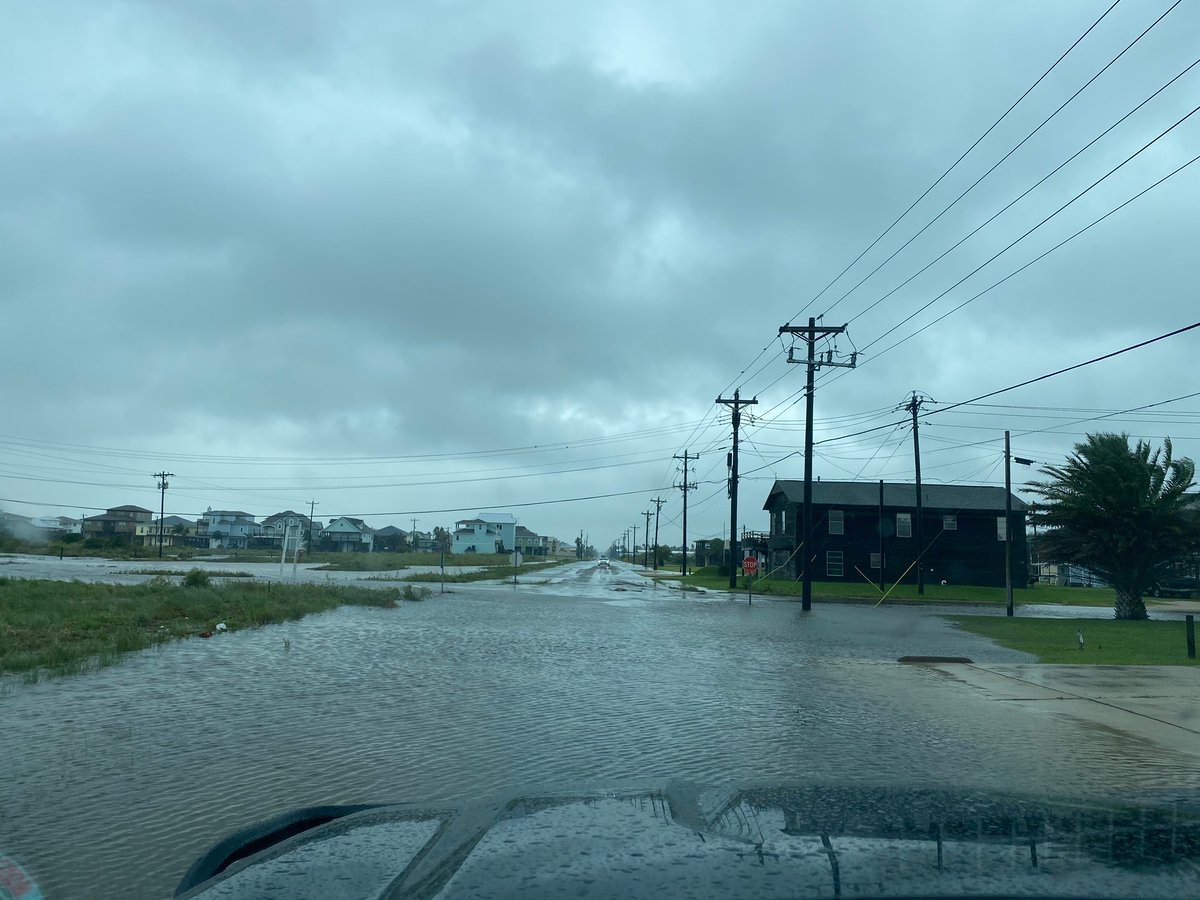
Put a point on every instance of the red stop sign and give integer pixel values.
(750, 565)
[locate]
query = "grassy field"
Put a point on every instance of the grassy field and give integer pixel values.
(391, 562)
(907, 593)
(489, 574)
(212, 573)
(66, 627)
(1106, 641)
(78, 548)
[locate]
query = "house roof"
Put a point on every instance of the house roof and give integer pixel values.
(126, 516)
(359, 524)
(287, 513)
(172, 521)
(389, 530)
(866, 493)
(129, 509)
(522, 531)
(232, 513)
(491, 518)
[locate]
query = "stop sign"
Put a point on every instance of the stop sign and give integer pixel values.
(750, 565)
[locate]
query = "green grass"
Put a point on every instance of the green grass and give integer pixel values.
(80, 549)
(1106, 641)
(390, 562)
(212, 573)
(491, 573)
(61, 627)
(907, 593)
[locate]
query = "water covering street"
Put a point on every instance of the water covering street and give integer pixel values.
(578, 678)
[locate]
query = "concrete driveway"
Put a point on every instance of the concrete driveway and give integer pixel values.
(1159, 705)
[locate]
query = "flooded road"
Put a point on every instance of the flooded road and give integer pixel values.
(113, 783)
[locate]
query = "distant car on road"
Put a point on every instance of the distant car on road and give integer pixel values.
(1184, 588)
(602, 562)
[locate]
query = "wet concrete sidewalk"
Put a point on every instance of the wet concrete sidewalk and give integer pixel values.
(1155, 704)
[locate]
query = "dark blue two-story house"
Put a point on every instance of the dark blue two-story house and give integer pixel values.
(858, 538)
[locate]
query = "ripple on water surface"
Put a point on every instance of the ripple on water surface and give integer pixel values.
(117, 781)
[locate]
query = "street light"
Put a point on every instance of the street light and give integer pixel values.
(1008, 459)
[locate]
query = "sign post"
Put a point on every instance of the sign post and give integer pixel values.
(750, 566)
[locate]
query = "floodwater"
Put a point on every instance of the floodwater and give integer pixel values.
(114, 782)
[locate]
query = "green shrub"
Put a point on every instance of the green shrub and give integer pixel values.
(196, 578)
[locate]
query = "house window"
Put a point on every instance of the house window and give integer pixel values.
(837, 521)
(1000, 529)
(903, 524)
(950, 523)
(833, 563)
(875, 560)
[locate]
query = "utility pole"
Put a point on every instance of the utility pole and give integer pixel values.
(646, 540)
(881, 564)
(914, 406)
(162, 504)
(737, 403)
(633, 548)
(1008, 526)
(810, 334)
(685, 487)
(312, 508)
(1009, 459)
(658, 505)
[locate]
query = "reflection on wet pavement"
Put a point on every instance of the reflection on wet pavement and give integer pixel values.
(115, 782)
(693, 840)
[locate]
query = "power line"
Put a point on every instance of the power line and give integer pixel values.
(1070, 409)
(944, 409)
(1004, 208)
(1030, 231)
(1017, 271)
(1098, 418)
(20, 442)
(409, 512)
(376, 485)
(1013, 387)
(954, 164)
(921, 197)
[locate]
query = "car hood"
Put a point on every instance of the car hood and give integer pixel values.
(692, 840)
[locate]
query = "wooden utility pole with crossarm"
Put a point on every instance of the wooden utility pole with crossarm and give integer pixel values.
(811, 333)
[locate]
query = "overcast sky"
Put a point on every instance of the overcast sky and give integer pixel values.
(413, 258)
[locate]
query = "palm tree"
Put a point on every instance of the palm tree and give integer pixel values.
(1119, 510)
